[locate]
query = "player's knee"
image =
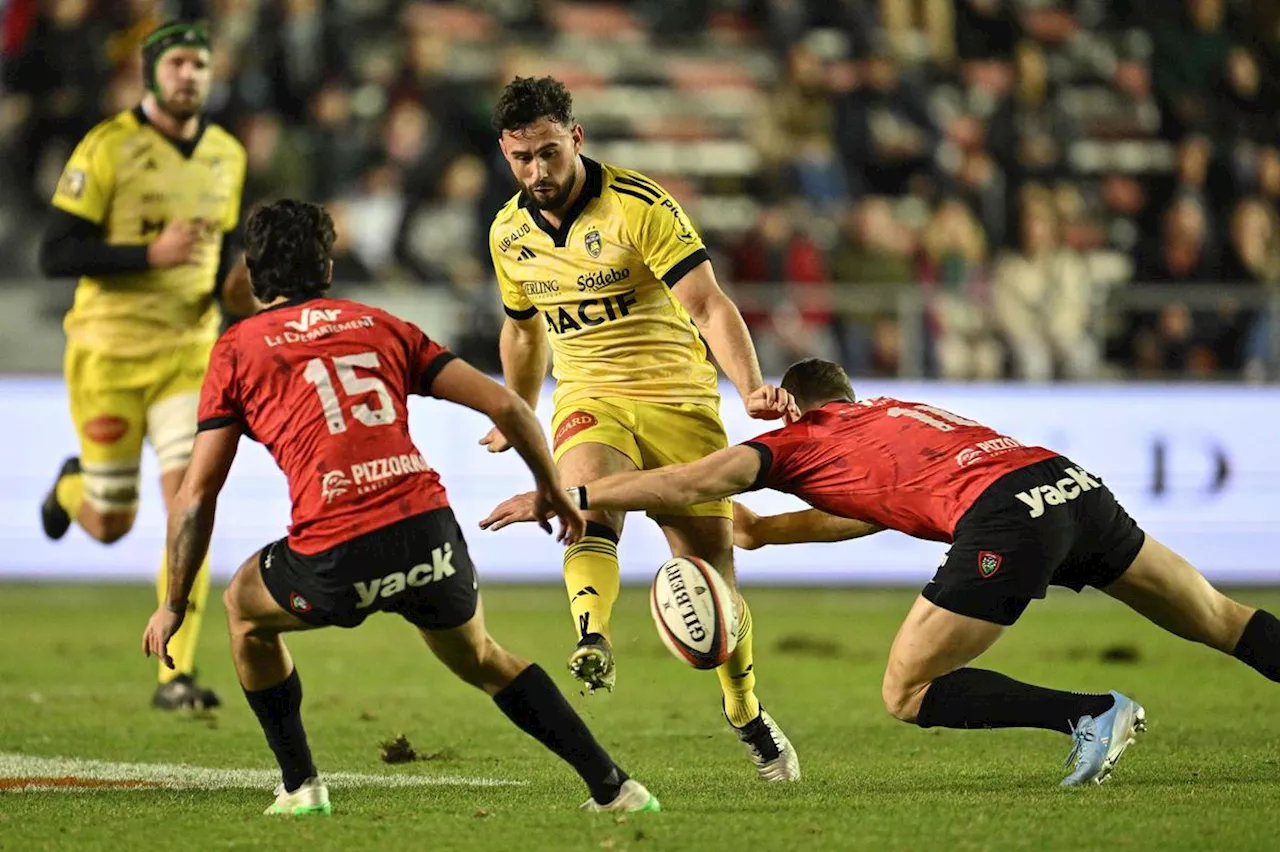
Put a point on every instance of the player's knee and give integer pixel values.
(107, 527)
(900, 700)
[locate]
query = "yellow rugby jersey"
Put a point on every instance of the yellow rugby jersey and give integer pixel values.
(602, 282)
(131, 179)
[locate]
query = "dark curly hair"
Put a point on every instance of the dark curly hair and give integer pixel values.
(526, 99)
(288, 245)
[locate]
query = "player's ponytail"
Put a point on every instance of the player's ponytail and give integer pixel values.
(288, 248)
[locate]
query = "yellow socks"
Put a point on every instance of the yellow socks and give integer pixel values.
(70, 493)
(182, 647)
(591, 579)
(737, 678)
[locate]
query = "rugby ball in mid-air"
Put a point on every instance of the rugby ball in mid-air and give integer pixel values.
(693, 608)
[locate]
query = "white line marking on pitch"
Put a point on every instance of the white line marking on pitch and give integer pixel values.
(62, 773)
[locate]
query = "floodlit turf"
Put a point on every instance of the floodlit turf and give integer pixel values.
(73, 684)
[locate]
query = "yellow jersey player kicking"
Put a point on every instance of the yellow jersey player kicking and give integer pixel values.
(603, 261)
(143, 216)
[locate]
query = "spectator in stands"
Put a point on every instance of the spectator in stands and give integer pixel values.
(780, 277)
(376, 210)
(57, 73)
(347, 266)
(1042, 301)
(1247, 101)
(442, 239)
(1190, 56)
(873, 259)
(884, 128)
(952, 267)
(1252, 258)
(337, 147)
(1173, 338)
(276, 166)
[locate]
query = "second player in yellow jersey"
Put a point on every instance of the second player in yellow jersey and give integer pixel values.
(143, 217)
(602, 263)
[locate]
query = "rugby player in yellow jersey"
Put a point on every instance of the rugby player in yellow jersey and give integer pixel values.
(603, 262)
(144, 216)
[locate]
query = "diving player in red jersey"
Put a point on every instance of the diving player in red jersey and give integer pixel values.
(322, 383)
(1018, 519)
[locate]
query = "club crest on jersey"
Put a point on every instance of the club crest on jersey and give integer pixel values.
(298, 603)
(988, 563)
(593, 242)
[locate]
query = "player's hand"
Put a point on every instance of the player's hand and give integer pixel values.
(744, 532)
(533, 506)
(770, 402)
(515, 510)
(178, 245)
(556, 502)
(495, 442)
(160, 629)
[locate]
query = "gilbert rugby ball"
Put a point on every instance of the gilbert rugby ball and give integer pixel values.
(693, 608)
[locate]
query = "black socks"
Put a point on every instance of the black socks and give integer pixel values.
(977, 698)
(278, 710)
(1259, 645)
(538, 708)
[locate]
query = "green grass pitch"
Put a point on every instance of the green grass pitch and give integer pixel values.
(74, 684)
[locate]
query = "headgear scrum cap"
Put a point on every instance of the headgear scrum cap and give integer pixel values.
(165, 38)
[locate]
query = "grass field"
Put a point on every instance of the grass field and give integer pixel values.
(73, 684)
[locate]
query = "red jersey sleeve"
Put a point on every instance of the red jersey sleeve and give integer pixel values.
(426, 359)
(219, 395)
(775, 451)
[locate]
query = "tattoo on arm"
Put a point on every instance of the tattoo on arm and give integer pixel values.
(187, 548)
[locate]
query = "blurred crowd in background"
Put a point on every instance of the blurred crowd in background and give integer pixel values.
(982, 186)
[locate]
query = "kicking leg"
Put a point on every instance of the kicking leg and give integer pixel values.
(711, 538)
(272, 687)
(926, 682)
(1169, 591)
(591, 568)
(532, 702)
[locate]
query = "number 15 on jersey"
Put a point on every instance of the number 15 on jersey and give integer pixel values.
(317, 372)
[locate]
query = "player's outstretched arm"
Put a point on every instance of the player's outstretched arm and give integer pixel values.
(522, 346)
(720, 322)
(751, 531)
(463, 384)
(721, 474)
(190, 527)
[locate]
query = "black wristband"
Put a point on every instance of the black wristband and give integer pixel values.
(176, 610)
(579, 495)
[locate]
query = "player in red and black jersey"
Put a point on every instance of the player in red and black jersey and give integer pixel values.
(1018, 519)
(322, 383)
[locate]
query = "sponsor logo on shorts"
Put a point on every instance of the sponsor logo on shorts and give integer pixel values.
(298, 603)
(439, 568)
(1071, 486)
(988, 563)
(572, 425)
(106, 429)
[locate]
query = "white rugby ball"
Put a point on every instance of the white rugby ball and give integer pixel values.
(693, 608)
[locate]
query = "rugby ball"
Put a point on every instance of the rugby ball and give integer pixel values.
(693, 608)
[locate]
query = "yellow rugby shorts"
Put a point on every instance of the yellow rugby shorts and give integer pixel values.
(117, 402)
(651, 434)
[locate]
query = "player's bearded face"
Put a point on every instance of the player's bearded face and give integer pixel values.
(543, 157)
(183, 77)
